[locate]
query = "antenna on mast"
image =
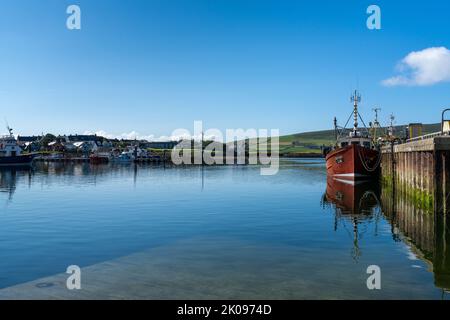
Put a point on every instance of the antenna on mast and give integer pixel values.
(376, 124)
(335, 128)
(391, 128)
(10, 130)
(356, 98)
(376, 110)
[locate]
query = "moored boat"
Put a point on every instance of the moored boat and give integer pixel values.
(124, 157)
(354, 156)
(11, 153)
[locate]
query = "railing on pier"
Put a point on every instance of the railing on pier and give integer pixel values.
(427, 136)
(445, 129)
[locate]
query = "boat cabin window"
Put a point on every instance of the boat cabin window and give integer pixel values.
(344, 144)
(355, 143)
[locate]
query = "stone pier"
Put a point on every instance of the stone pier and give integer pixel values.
(421, 170)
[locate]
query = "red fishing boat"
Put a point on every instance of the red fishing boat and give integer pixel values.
(354, 156)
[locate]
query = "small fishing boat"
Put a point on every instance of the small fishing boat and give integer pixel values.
(355, 155)
(124, 157)
(11, 153)
(130, 154)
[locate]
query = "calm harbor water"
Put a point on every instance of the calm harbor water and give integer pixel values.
(219, 232)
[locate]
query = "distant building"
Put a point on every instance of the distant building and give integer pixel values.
(84, 137)
(32, 146)
(25, 140)
(415, 130)
(56, 146)
(69, 146)
(106, 144)
(86, 146)
(87, 143)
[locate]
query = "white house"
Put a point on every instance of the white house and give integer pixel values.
(86, 146)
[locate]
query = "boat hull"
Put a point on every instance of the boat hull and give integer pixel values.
(353, 162)
(21, 160)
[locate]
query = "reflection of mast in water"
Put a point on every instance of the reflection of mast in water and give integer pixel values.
(8, 183)
(203, 178)
(354, 202)
(8, 180)
(203, 162)
(356, 252)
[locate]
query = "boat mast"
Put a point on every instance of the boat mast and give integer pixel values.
(376, 110)
(335, 129)
(356, 98)
(376, 124)
(10, 130)
(391, 127)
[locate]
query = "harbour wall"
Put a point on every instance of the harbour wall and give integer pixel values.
(420, 170)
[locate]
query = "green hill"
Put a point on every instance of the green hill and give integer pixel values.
(311, 142)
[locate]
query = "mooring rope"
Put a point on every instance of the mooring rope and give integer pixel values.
(365, 165)
(368, 194)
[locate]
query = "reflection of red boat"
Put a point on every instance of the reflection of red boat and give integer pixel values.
(355, 202)
(352, 198)
(354, 156)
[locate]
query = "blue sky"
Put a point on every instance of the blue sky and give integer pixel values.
(153, 66)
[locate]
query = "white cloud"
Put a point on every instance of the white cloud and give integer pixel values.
(136, 135)
(127, 135)
(422, 68)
